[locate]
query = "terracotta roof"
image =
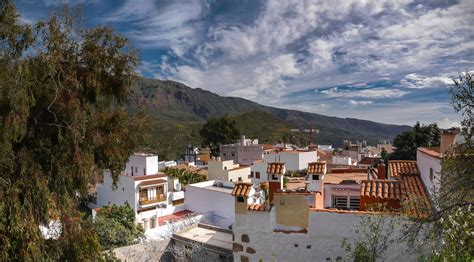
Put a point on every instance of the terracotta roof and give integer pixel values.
(152, 182)
(417, 202)
(339, 178)
(242, 189)
(275, 168)
(139, 178)
(239, 167)
(316, 167)
(369, 160)
(399, 167)
(383, 189)
(431, 151)
(267, 146)
(259, 207)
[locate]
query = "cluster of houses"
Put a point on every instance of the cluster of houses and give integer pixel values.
(265, 202)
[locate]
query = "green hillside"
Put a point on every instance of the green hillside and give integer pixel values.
(179, 111)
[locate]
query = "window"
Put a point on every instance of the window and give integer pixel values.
(230, 180)
(224, 154)
(131, 169)
(257, 175)
(431, 174)
(225, 168)
(274, 177)
(144, 171)
(240, 178)
(233, 154)
(136, 169)
(354, 203)
(251, 174)
(339, 202)
(315, 177)
(240, 199)
(346, 202)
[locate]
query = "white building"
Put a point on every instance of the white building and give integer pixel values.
(243, 152)
(294, 160)
(228, 171)
(151, 194)
(341, 160)
(213, 199)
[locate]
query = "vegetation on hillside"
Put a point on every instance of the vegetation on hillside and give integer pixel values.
(62, 119)
(219, 131)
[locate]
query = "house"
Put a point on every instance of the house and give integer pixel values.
(429, 159)
(294, 159)
(243, 152)
(213, 199)
(308, 224)
(226, 170)
(151, 194)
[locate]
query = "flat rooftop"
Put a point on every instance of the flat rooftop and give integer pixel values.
(222, 189)
(339, 177)
(209, 235)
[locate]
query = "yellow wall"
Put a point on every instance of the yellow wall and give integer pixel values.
(291, 210)
(240, 207)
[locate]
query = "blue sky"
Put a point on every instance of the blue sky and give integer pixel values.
(376, 60)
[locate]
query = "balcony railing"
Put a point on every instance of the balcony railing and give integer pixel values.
(148, 201)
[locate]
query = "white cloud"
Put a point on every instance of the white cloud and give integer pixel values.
(356, 103)
(417, 81)
(374, 93)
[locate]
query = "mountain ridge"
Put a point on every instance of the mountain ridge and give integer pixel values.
(173, 102)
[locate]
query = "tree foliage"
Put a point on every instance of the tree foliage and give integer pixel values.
(462, 96)
(219, 131)
(375, 234)
(115, 226)
(62, 87)
(407, 142)
(184, 176)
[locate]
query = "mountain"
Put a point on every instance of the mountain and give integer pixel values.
(179, 111)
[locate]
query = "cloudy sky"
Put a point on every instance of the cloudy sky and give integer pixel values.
(387, 61)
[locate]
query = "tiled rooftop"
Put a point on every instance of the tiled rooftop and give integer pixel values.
(259, 207)
(369, 160)
(139, 178)
(152, 182)
(417, 202)
(399, 167)
(242, 189)
(431, 151)
(382, 189)
(316, 167)
(275, 168)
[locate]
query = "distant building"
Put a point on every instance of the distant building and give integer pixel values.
(226, 170)
(294, 160)
(243, 152)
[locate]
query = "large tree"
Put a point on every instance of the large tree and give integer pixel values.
(62, 87)
(219, 131)
(407, 142)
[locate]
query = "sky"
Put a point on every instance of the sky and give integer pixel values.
(385, 61)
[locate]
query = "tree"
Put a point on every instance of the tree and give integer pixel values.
(407, 142)
(116, 226)
(62, 119)
(375, 234)
(185, 177)
(219, 131)
(462, 96)
(448, 229)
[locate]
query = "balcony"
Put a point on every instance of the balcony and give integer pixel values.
(149, 201)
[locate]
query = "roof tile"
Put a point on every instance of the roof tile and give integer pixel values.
(242, 189)
(276, 168)
(399, 167)
(316, 167)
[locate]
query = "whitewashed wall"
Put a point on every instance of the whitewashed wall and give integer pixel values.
(326, 231)
(125, 192)
(425, 162)
(211, 203)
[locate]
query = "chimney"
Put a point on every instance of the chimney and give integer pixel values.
(381, 171)
(448, 137)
